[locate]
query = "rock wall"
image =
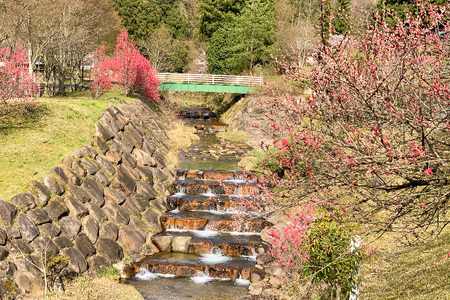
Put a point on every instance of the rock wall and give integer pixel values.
(100, 207)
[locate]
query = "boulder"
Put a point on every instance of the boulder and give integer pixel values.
(132, 238)
(24, 201)
(49, 229)
(255, 289)
(113, 157)
(126, 179)
(145, 190)
(67, 176)
(56, 209)
(109, 230)
(128, 160)
(77, 263)
(103, 132)
(163, 242)
(68, 160)
(19, 247)
(98, 262)
(39, 216)
(143, 158)
(89, 151)
(139, 202)
(90, 228)
(146, 174)
(109, 249)
(148, 146)
(44, 244)
(78, 168)
(70, 226)
(105, 164)
(102, 179)
(181, 243)
(29, 285)
(12, 232)
(115, 213)
(8, 212)
(101, 144)
(62, 242)
(134, 135)
(53, 185)
(27, 227)
(76, 208)
(90, 166)
(264, 258)
(96, 212)
(84, 245)
(78, 193)
(114, 195)
(152, 218)
(130, 207)
(94, 190)
(41, 193)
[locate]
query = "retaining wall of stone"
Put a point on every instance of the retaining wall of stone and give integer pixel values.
(100, 207)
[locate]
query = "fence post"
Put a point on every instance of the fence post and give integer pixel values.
(213, 79)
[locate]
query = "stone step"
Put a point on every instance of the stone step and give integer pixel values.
(189, 220)
(196, 113)
(219, 203)
(210, 242)
(214, 187)
(193, 265)
(214, 175)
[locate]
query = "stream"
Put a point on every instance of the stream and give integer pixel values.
(206, 252)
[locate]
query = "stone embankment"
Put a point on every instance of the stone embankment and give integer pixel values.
(100, 207)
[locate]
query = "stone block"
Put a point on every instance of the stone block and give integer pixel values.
(132, 238)
(113, 157)
(163, 242)
(114, 195)
(128, 160)
(77, 263)
(115, 213)
(8, 212)
(44, 244)
(143, 158)
(104, 132)
(84, 245)
(78, 193)
(110, 249)
(41, 193)
(145, 190)
(53, 185)
(70, 226)
(105, 164)
(27, 227)
(13, 232)
(94, 190)
(101, 178)
(76, 208)
(101, 144)
(130, 207)
(66, 175)
(56, 209)
(62, 242)
(98, 262)
(89, 151)
(134, 135)
(181, 243)
(90, 166)
(19, 247)
(145, 173)
(90, 228)
(39, 216)
(109, 230)
(49, 229)
(24, 201)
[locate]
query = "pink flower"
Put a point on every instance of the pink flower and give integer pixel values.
(284, 142)
(428, 172)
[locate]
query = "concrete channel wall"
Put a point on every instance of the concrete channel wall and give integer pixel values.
(101, 206)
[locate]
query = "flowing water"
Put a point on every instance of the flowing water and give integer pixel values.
(220, 250)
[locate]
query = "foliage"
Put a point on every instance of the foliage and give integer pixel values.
(111, 273)
(373, 136)
(317, 245)
(245, 41)
(128, 67)
(101, 77)
(15, 81)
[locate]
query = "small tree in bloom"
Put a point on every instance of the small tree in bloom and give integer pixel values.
(15, 81)
(130, 69)
(101, 73)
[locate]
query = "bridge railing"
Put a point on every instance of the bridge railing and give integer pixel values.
(210, 79)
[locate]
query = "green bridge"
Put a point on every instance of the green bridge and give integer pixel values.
(183, 82)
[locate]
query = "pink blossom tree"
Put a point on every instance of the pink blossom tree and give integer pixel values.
(128, 67)
(15, 81)
(101, 73)
(374, 137)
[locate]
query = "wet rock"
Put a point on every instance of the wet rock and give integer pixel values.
(12, 232)
(70, 226)
(181, 243)
(143, 158)
(62, 242)
(27, 227)
(67, 176)
(8, 212)
(39, 216)
(40, 192)
(84, 245)
(103, 132)
(53, 185)
(44, 244)
(101, 144)
(90, 228)
(109, 249)
(90, 166)
(76, 208)
(109, 230)
(126, 179)
(49, 229)
(163, 242)
(94, 190)
(56, 209)
(115, 213)
(114, 195)
(24, 201)
(113, 157)
(105, 164)
(145, 190)
(77, 263)
(132, 238)
(78, 168)
(96, 212)
(102, 178)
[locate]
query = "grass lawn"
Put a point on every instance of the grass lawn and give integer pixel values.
(34, 138)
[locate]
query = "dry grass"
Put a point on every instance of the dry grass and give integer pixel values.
(84, 288)
(399, 272)
(181, 137)
(34, 138)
